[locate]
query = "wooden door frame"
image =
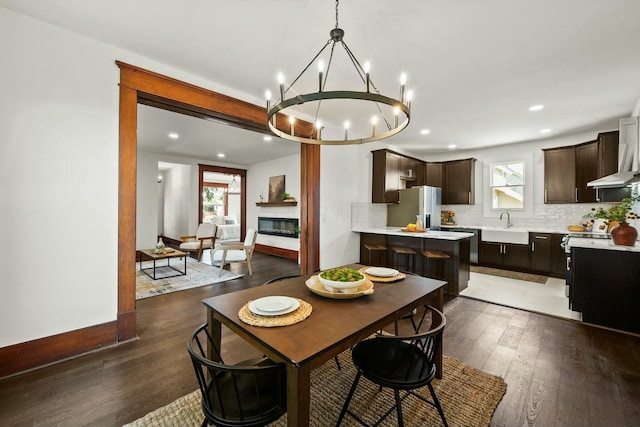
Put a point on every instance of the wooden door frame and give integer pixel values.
(138, 85)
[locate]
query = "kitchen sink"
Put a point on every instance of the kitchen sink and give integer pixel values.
(519, 236)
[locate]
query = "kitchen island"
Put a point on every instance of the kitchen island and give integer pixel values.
(455, 244)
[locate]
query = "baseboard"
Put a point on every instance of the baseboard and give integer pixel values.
(280, 252)
(31, 354)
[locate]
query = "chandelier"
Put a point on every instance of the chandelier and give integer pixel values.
(384, 109)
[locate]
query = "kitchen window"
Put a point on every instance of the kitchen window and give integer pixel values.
(507, 185)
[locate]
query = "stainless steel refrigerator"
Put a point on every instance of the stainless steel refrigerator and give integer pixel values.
(424, 201)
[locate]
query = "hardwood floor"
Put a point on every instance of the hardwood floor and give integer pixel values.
(558, 372)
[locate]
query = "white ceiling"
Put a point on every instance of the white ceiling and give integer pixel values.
(475, 66)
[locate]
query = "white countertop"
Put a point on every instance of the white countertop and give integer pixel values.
(606, 244)
(531, 230)
(431, 234)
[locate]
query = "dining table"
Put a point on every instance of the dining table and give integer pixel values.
(333, 326)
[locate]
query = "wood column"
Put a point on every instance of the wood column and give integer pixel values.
(309, 208)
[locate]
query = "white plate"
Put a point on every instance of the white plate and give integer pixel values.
(274, 306)
(381, 272)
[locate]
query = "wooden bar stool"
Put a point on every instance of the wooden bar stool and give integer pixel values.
(410, 255)
(376, 250)
(434, 261)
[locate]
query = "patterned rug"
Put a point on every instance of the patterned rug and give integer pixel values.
(509, 274)
(468, 397)
(198, 274)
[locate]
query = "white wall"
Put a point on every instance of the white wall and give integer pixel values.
(59, 176)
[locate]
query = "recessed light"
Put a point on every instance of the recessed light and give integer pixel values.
(452, 146)
(536, 107)
(267, 138)
(221, 155)
(425, 132)
(545, 130)
(174, 135)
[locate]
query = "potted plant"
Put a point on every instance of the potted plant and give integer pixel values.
(617, 218)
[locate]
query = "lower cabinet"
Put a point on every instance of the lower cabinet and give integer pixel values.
(540, 252)
(504, 255)
(604, 287)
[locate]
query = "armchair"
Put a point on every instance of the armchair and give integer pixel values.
(235, 251)
(204, 238)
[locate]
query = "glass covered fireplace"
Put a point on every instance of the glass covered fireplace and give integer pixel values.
(286, 227)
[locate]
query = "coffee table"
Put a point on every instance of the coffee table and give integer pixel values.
(151, 253)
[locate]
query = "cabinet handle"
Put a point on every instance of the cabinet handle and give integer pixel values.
(576, 194)
(568, 264)
(533, 246)
(541, 237)
(545, 195)
(469, 197)
(597, 195)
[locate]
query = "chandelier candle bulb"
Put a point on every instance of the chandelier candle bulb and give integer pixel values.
(374, 122)
(367, 68)
(320, 69)
(281, 82)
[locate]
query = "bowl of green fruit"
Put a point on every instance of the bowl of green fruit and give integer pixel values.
(345, 280)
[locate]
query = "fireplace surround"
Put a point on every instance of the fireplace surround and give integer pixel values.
(285, 227)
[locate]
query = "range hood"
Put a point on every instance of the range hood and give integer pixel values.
(628, 152)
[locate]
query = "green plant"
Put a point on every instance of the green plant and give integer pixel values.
(285, 196)
(622, 212)
(597, 213)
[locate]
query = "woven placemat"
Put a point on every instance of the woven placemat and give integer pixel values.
(398, 276)
(296, 316)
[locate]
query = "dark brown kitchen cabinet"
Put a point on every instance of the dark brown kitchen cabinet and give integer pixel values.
(608, 153)
(434, 174)
(540, 252)
(568, 170)
(558, 257)
(393, 172)
(604, 287)
(559, 175)
(504, 255)
(459, 182)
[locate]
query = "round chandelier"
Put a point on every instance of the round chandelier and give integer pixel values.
(381, 109)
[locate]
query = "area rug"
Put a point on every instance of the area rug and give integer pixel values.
(509, 274)
(198, 274)
(468, 397)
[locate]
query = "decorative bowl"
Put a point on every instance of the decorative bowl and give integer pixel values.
(342, 286)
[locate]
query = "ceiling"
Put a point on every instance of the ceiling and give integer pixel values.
(475, 67)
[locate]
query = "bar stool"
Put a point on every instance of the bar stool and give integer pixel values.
(409, 253)
(438, 258)
(370, 250)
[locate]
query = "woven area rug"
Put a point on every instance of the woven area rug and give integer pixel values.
(468, 397)
(198, 274)
(509, 274)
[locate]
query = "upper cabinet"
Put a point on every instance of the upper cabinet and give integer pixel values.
(393, 172)
(459, 182)
(567, 170)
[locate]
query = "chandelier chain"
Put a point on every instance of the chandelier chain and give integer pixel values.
(337, 2)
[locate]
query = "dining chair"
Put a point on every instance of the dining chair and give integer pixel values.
(404, 363)
(205, 238)
(250, 393)
(235, 251)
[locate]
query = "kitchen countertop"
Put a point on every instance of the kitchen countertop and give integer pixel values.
(431, 234)
(531, 230)
(605, 244)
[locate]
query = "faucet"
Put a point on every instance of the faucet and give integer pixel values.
(508, 218)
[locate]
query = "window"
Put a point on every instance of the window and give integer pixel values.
(214, 200)
(507, 185)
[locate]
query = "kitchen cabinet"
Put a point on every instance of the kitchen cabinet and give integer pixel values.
(567, 170)
(540, 252)
(559, 175)
(586, 171)
(604, 287)
(558, 257)
(459, 182)
(504, 255)
(434, 174)
(393, 172)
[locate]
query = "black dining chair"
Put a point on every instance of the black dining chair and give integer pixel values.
(250, 393)
(402, 363)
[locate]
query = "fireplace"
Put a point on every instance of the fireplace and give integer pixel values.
(285, 227)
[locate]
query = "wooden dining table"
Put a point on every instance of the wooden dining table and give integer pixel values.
(334, 326)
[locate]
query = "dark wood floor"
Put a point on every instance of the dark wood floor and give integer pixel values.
(558, 372)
